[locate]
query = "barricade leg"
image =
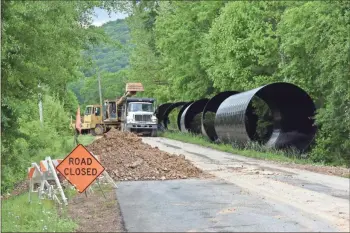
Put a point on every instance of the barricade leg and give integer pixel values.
(58, 183)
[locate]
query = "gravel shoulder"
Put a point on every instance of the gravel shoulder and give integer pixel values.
(96, 213)
(324, 196)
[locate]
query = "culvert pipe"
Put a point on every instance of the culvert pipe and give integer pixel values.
(190, 120)
(161, 110)
(209, 112)
(180, 113)
(288, 120)
(168, 111)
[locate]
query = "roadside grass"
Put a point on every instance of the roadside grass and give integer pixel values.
(252, 150)
(18, 215)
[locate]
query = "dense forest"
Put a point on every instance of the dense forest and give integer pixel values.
(41, 45)
(189, 50)
(179, 50)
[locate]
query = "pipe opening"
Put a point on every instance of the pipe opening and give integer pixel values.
(292, 115)
(191, 117)
(170, 115)
(179, 116)
(259, 120)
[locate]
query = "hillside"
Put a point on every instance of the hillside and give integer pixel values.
(110, 59)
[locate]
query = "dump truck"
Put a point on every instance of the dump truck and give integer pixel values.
(126, 113)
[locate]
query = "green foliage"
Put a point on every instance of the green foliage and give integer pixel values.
(36, 217)
(241, 50)
(189, 50)
(315, 43)
(183, 25)
(144, 62)
(41, 44)
(113, 55)
(35, 141)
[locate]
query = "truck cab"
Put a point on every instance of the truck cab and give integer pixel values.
(139, 116)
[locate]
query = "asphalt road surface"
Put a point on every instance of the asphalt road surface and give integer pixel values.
(246, 195)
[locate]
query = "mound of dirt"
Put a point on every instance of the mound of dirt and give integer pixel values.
(126, 157)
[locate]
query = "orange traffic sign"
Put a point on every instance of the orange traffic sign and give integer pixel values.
(80, 168)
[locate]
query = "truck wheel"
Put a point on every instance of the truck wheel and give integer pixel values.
(98, 130)
(154, 133)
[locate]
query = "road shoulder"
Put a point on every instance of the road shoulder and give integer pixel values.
(96, 213)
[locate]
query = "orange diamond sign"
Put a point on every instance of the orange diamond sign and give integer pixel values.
(80, 168)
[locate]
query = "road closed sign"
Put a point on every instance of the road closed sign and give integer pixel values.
(80, 168)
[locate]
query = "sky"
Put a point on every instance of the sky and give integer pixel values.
(101, 16)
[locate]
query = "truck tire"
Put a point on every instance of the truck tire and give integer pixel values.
(99, 130)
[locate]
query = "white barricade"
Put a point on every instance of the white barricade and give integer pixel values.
(43, 173)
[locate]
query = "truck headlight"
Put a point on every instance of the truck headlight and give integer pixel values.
(154, 119)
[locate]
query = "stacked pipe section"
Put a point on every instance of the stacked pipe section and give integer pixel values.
(277, 115)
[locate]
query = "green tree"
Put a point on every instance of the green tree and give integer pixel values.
(180, 28)
(144, 59)
(41, 44)
(315, 43)
(241, 50)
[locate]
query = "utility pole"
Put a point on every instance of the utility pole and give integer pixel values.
(41, 117)
(99, 86)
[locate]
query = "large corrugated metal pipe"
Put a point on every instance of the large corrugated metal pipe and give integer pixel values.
(190, 120)
(209, 112)
(159, 112)
(169, 109)
(183, 108)
(277, 115)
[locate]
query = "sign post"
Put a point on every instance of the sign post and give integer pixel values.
(80, 168)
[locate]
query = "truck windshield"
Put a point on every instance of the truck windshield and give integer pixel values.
(145, 107)
(88, 111)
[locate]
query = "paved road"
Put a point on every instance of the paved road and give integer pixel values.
(206, 206)
(300, 196)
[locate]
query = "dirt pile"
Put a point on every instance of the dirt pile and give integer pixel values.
(126, 157)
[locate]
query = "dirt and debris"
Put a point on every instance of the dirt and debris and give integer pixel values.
(96, 213)
(126, 157)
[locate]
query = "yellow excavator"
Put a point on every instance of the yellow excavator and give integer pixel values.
(126, 113)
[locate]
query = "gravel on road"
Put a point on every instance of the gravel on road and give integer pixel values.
(126, 157)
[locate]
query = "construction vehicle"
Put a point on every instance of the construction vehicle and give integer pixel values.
(126, 113)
